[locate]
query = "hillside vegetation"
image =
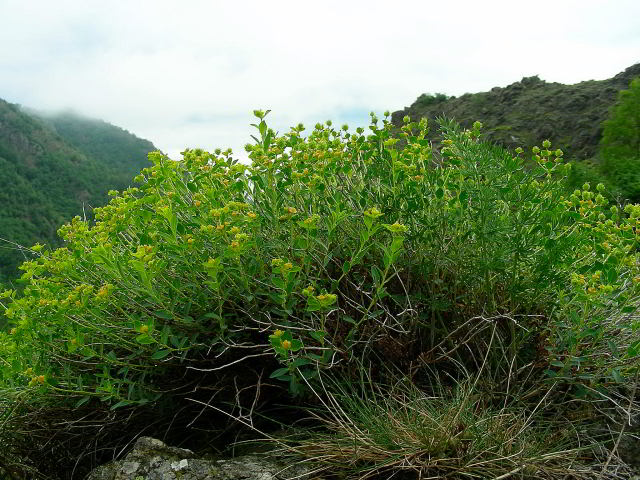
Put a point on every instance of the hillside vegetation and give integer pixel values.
(426, 306)
(532, 110)
(573, 117)
(53, 169)
(452, 314)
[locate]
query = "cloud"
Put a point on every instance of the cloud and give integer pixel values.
(189, 75)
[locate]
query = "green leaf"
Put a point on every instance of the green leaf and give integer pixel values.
(387, 259)
(300, 243)
(318, 335)
(121, 403)
(165, 334)
(615, 373)
(439, 193)
(396, 244)
(144, 339)
(346, 266)
(634, 349)
(279, 373)
(164, 315)
(299, 362)
(160, 354)
(296, 345)
(82, 401)
(376, 274)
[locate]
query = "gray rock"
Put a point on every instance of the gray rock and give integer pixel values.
(151, 459)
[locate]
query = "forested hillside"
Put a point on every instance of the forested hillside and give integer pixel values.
(53, 169)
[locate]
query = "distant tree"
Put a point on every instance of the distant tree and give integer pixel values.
(621, 135)
(620, 144)
(427, 99)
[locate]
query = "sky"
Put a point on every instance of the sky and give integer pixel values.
(189, 74)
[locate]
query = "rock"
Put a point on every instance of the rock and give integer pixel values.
(151, 459)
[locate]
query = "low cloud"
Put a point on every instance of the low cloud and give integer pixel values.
(190, 75)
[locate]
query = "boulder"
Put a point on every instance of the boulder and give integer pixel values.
(152, 459)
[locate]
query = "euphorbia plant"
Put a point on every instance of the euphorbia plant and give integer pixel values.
(333, 249)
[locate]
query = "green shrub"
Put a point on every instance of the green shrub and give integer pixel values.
(328, 253)
(621, 134)
(620, 144)
(427, 99)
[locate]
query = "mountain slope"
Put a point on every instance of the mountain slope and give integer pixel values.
(109, 145)
(529, 111)
(50, 172)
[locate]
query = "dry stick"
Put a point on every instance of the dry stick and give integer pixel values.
(239, 420)
(508, 474)
(615, 447)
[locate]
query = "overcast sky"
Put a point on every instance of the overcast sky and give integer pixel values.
(189, 73)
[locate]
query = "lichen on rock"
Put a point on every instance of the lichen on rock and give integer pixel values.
(151, 459)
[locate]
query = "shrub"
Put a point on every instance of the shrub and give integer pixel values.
(620, 143)
(325, 254)
(427, 99)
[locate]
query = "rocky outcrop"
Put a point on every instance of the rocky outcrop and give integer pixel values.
(151, 459)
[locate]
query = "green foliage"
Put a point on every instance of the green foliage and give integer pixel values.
(620, 144)
(427, 99)
(621, 135)
(49, 178)
(325, 254)
(532, 110)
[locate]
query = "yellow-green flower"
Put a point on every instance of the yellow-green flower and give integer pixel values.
(278, 333)
(310, 222)
(104, 291)
(397, 228)
(326, 299)
(373, 212)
